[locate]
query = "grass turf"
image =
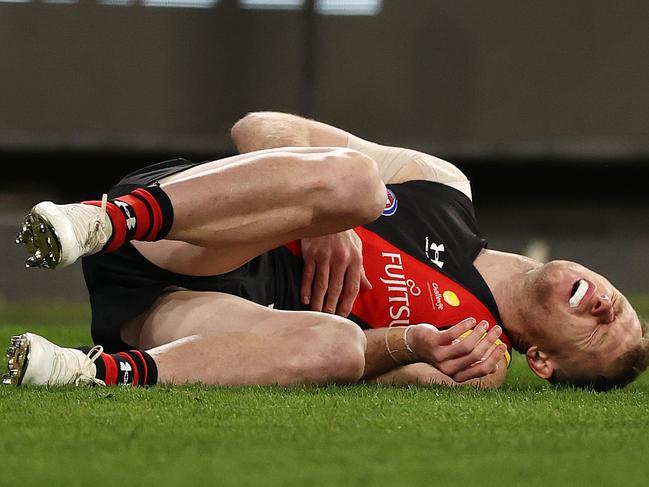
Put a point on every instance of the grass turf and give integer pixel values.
(526, 433)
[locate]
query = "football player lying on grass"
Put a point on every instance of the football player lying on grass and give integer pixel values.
(264, 268)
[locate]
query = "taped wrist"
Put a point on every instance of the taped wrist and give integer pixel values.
(396, 343)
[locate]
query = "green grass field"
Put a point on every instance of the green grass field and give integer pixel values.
(527, 433)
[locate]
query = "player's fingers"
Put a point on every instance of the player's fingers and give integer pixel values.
(447, 344)
(487, 366)
(335, 287)
(472, 355)
(488, 343)
(481, 350)
(491, 349)
(365, 284)
(468, 340)
(350, 289)
(308, 273)
(462, 347)
(447, 336)
(320, 284)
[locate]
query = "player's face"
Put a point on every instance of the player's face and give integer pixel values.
(580, 318)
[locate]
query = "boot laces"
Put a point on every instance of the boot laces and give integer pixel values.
(71, 369)
(93, 230)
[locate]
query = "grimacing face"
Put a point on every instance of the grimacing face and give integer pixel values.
(580, 320)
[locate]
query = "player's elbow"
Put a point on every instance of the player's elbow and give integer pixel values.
(242, 132)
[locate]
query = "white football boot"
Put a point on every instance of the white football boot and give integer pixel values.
(31, 359)
(58, 235)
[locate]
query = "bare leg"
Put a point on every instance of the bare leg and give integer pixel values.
(275, 196)
(218, 339)
(227, 212)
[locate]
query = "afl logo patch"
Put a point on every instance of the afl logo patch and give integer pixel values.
(390, 205)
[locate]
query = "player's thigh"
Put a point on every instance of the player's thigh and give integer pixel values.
(181, 314)
(194, 260)
(208, 168)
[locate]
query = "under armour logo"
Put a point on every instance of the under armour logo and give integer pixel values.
(433, 252)
(125, 368)
(131, 221)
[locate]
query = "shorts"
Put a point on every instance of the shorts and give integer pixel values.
(123, 284)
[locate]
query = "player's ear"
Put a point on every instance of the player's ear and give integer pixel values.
(540, 363)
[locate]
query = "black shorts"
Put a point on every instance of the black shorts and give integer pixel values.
(123, 284)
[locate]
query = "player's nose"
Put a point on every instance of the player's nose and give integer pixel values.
(602, 307)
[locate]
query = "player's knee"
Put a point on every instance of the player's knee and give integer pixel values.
(348, 352)
(340, 353)
(369, 184)
(357, 185)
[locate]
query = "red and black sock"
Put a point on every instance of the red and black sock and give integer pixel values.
(135, 368)
(144, 214)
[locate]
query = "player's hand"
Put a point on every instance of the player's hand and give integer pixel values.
(333, 272)
(459, 358)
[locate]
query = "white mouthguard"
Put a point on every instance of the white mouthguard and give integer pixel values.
(579, 294)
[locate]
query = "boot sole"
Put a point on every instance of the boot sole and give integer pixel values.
(42, 243)
(17, 360)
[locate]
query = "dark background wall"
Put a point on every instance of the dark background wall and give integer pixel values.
(514, 76)
(543, 104)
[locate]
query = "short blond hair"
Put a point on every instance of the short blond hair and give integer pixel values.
(624, 370)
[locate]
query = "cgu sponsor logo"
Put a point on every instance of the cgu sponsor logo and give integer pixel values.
(399, 289)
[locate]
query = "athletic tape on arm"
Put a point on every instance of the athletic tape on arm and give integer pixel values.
(391, 160)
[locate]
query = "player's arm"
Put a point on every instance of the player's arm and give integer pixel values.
(390, 351)
(426, 374)
(266, 130)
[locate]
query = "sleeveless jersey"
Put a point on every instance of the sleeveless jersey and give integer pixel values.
(418, 256)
